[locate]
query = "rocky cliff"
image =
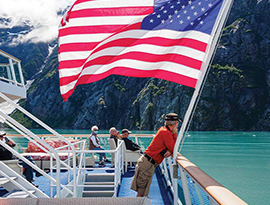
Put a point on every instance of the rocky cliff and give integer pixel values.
(235, 97)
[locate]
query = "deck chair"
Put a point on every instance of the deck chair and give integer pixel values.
(131, 156)
(112, 147)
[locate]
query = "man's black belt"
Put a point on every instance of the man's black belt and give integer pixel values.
(150, 159)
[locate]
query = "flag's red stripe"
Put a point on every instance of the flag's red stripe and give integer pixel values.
(122, 11)
(158, 41)
(165, 75)
(105, 60)
(90, 30)
(97, 29)
(191, 43)
(146, 57)
(141, 56)
(77, 47)
(82, 1)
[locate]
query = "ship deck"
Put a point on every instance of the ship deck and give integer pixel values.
(159, 193)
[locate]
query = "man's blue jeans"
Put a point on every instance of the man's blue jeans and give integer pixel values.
(100, 154)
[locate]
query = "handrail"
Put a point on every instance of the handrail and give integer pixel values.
(215, 190)
(16, 183)
(57, 182)
(12, 81)
(48, 147)
(3, 53)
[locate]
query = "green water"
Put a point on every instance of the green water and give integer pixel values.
(240, 161)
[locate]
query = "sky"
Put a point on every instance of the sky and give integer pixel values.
(41, 14)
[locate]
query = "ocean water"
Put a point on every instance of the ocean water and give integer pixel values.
(240, 161)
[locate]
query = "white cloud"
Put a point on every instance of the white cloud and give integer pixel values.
(41, 14)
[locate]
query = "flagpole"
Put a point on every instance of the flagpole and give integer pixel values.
(226, 6)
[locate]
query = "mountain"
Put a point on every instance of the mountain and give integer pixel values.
(235, 96)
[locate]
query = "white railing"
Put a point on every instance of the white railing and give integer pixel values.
(9, 72)
(216, 193)
(197, 186)
(118, 167)
(40, 143)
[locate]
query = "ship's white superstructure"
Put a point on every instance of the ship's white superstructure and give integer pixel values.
(11, 77)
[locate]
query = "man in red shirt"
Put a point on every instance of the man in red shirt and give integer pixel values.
(161, 147)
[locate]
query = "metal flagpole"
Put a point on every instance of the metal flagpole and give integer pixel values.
(223, 15)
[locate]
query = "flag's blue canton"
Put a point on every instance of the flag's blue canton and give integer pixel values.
(183, 15)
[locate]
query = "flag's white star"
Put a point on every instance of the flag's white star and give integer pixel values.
(181, 22)
(175, 11)
(188, 18)
(165, 11)
(201, 22)
(191, 23)
(170, 16)
(151, 20)
(195, 13)
(210, 5)
(158, 16)
(178, 16)
(185, 11)
(172, 6)
(189, 2)
(183, 6)
(163, 21)
(199, 3)
(193, 7)
(202, 9)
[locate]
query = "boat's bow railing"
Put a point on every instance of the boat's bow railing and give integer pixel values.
(196, 186)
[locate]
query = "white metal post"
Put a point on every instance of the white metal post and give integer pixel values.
(215, 35)
(20, 72)
(185, 187)
(12, 70)
(8, 73)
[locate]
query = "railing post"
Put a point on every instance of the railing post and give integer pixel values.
(198, 193)
(8, 73)
(185, 187)
(175, 183)
(12, 70)
(20, 72)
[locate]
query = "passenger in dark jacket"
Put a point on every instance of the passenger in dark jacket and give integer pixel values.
(7, 155)
(129, 144)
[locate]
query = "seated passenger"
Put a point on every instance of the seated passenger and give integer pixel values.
(7, 155)
(115, 135)
(94, 145)
(129, 144)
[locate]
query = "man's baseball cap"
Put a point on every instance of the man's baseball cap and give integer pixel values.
(172, 117)
(125, 130)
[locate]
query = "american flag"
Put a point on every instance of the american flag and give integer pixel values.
(137, 38)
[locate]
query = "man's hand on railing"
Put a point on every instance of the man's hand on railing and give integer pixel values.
(167, 154)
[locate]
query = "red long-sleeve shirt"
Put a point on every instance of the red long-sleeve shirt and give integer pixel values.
(164, 139)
